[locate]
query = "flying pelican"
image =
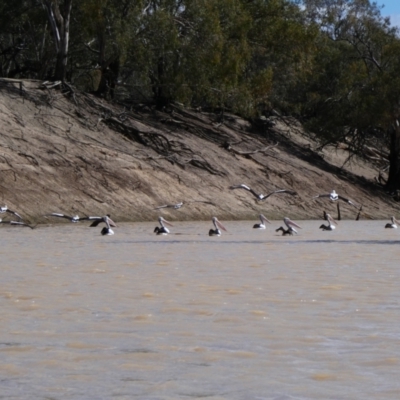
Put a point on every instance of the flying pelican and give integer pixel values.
(260, 196)
(4, 209)
(331, 223)
(333, 196)
(74, 218)
(174, 206)
(393, 224)
(290, 227)
(262, 224)
(163, 230)
(17, 223)
(218, 226)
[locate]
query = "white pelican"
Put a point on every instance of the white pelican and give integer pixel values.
(290, 227)
(107, 229)
(333, 196)
(174, 206)
(393, 224)
(262, 224)
(4, 209)
(218, 226)
(163, 230)
(98, 220)
(17, 223)
(261, 196)
(331, 223)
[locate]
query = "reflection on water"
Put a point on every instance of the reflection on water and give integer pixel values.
(248, 315)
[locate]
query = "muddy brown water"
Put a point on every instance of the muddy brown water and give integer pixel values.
(248, 315)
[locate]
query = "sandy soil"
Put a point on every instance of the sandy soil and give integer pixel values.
(77, 154)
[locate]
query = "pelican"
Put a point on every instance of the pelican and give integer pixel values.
(163, 230)
(262, 224)
(17, 223)
(109, 223)
(218, 226)
(331, 223)
(98, 220)
(290, 227)
(174, 206)
(4, 209)
(74, 218)
(260, 196)
(333, 196)
(393, 224)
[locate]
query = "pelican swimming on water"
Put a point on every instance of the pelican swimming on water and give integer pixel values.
(291, 225)
(98, 220)
(4, 209)
(260, 196)
(109, 223)
(262, 224)
(393, 223)
(333, 196)
(163, 230)
(331, 223)
(218, 226)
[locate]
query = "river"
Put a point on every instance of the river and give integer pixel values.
(248, 315)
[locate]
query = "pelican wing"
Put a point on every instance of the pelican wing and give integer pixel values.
(59, 216)
(347, 201)
(14, 213)
(245, 187)
(322, 195)
(175, 206)
(291, 192)
(17, 223)
(164, 206)
(96, 222)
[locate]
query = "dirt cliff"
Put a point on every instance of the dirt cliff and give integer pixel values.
(77, 154)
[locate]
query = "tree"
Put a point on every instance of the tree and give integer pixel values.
(24, 44)
(353, 91)
(59, 14)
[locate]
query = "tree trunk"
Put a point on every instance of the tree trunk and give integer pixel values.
(393, 182)
(59, 17)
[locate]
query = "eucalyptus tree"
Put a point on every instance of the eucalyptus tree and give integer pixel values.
(25, 49)
(103, 37)
(354, 88)
(282, 47)
(59, 16)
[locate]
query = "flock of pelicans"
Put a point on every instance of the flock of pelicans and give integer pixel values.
(163, 228)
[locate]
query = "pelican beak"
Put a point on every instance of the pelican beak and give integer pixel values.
(220, 226)
(111, 222)
(167, 222)
(265, 219)
(331, 219)
(292, 223)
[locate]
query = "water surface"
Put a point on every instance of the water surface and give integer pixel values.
(248, 315)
